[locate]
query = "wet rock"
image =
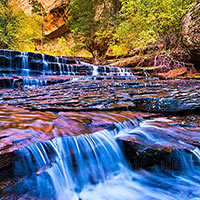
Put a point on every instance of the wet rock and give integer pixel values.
(158, 142)
(159, 104)
(7, 164)
(116, 93)
(20, 128)
(142, 157)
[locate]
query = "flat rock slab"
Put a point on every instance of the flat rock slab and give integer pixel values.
(21, 128)
(151, 95)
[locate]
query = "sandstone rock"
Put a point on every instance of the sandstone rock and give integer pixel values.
(150, 95)
(191, 31)
(54, 22)
(21, 128)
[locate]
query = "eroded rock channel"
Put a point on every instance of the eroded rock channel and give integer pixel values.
(70, 130)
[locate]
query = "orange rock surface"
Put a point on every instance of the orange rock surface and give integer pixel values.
(56, 14)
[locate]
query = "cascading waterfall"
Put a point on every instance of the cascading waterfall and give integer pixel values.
(113, 70)
(70, 164)
(28, 82)
(32, 83)
(10, 59)
(24, 56)
(72, 70)
(92, 167)
(26, 65)
(60, 66)
(93, 68)
(95, 71)
(45, 66)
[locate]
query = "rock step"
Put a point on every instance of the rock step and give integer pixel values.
(11, 55)
(146, 142)
(149, 95)
(21, 128)
(27, 63)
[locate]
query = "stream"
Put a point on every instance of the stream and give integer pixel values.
(65, 148)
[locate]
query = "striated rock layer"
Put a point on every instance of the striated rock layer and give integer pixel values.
(111, 94)
(191, 33)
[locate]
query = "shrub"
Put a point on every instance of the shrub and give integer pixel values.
(149, 21)
(17, 29)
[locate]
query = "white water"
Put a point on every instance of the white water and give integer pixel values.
(61, 71)
(114, 71)
(92, 167)
(30, 83)
(73, 163)
(24, 62)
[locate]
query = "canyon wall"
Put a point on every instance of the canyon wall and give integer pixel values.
(57, 14)
(191, 32)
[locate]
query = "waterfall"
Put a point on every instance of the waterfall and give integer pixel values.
(30, 83)
(25, 72)
(93, 167)
(24, 61)
(72, 70)
(10, 59)
(113, 70)
(95, 70)
(24, 64)
(70, 163)
(45, 66)
(28, 64)
(59, 65)
(196, 152)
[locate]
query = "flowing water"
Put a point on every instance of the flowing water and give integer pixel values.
(88, 156)
(31, 67)
(93, 167)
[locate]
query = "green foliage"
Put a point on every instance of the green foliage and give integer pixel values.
(148, 21)
(61, 48)
(92, 23)
(17, 29)
(98, 25)
(37, 7)
(4, 2)
(81, 19)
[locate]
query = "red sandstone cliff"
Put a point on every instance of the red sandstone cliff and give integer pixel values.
(54, 22)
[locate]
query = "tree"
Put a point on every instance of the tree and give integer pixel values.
(93, 23)
(36, 7)
(17, 29)
(149, 21)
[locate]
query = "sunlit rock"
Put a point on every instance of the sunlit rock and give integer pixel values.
(190, 31)
(57, 14)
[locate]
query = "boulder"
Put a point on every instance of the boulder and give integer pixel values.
(191, 32)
